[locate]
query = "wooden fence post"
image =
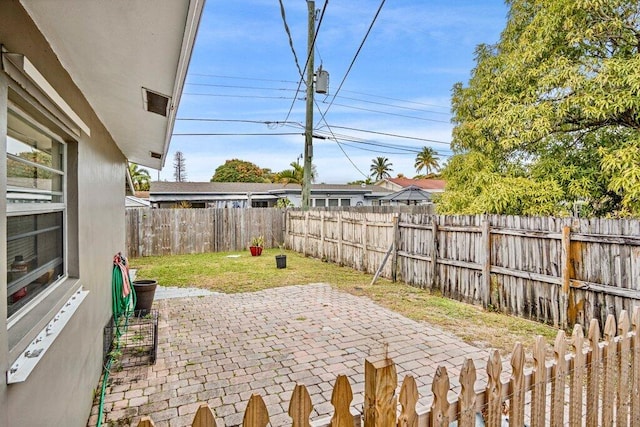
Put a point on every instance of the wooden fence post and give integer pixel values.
(494, 390)
(577, 377)
(434, 251)
(321, 248)
(341, 398)
(256, 414)
(486, 263)
(440, 405)
(300, 406)
(364, 242)
(566, 276)
(539, 383)
(146, 422)
(593, 374)
(624, 346)
(608, 370)
(340, 238)
(635, 383)
(286, 239)
(467, 396)
(380, 403)
(559, 380)
(306, 233)
(204, 417)
(408, 399)
(516, 408)
(396, 244)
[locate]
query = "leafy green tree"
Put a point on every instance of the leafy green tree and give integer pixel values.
(284, 203)
(140, 177)
(295, 175)
(554, 102)
(236, 170)
(427, 159)
(17, 169)
(367, 181)
(380, 168)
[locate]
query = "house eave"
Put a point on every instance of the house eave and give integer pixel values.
(113, 51)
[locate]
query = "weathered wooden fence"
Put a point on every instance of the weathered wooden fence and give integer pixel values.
(187, 231)
(560, 271)
(597, 384)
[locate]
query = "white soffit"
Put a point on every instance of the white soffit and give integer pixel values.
(114, 50)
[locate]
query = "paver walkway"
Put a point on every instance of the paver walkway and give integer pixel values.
(222, 348)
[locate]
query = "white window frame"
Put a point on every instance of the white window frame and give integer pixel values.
(30, 209)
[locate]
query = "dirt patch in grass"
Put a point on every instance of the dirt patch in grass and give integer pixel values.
(240, 272)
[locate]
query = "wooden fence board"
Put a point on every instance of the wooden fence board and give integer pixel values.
(518, 265)
(408, 399)
(341, 399)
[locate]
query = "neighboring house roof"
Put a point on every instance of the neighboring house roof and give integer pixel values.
(136, 202)
(148, 49)
(142, 194)
(425, 183)
(412, 193)
(163, 190)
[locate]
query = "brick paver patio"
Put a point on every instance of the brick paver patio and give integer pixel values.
(221, 348)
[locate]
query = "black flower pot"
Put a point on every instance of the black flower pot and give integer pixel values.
(145, 291)
(281, 261)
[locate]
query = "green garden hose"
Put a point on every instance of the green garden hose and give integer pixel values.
(123, 303)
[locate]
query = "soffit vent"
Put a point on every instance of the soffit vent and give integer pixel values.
(155, 102)
(155, 155)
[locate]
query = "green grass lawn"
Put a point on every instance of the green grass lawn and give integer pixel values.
(240, 272)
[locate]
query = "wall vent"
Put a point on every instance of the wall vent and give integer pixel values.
(155, 102)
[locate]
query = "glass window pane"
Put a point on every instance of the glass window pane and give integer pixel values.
(333, 202)
(320, 203)
(34, 256)
(345, 202)
(34, 164)
(31, 143)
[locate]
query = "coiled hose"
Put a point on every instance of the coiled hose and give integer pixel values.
(123, 303)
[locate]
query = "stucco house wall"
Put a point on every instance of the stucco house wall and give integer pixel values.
(59, 391)
(74, 75)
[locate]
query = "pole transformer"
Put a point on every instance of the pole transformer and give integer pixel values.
(308, 130)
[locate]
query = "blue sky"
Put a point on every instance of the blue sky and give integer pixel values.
(243, 71)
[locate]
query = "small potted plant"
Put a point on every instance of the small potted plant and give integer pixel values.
(281, 259)
(256, 245)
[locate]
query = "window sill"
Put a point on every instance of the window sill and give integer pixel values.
(29, 358)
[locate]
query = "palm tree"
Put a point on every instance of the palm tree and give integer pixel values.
(295, 175)
(140, 177)
(427, 159)
(380, 168)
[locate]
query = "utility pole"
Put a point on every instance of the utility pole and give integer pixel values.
(308, 130)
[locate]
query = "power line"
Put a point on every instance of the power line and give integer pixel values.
(238, 96)
(241, 87)
(237, 134)
(343, 90)
(291, 90)
(221, 76)
(396, 99)
(395, 106)
(384, 112)
(286, 29)
(306, 64)
(374, 151)
(391, 134)
(355, 56)
(269, 123)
